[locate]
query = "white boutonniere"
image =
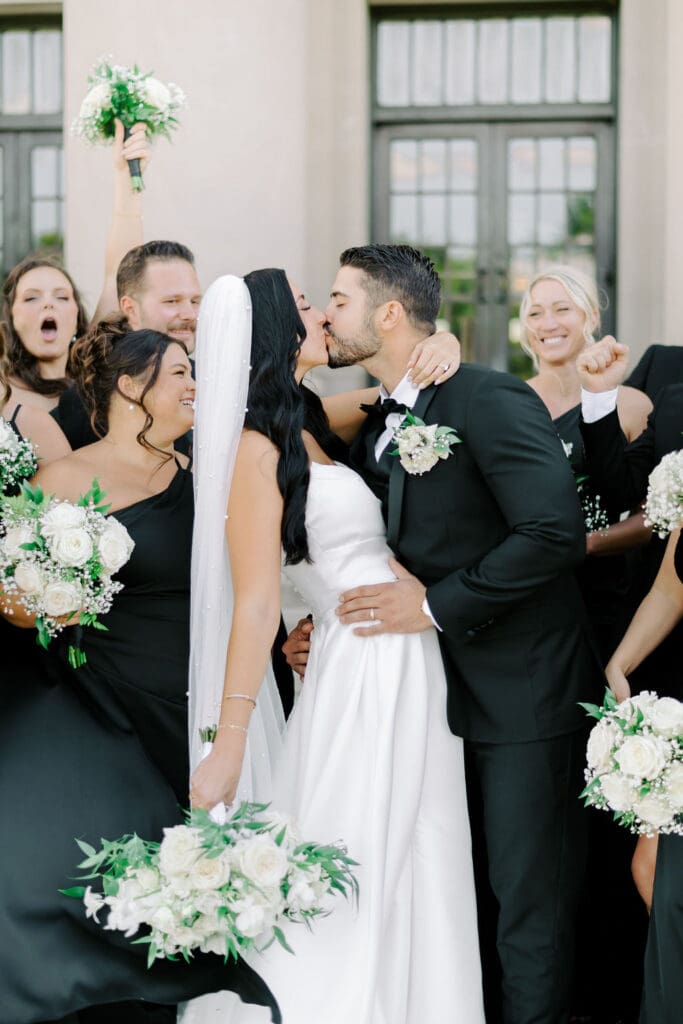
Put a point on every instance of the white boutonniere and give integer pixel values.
(419, 447)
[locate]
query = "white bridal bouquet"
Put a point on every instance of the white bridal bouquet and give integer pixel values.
(218, 888)
(57, 559)
(664, 502)
(18, 459)
(132, 96)
(635, 762)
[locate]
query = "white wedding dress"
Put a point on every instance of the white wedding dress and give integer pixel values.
(368, 758)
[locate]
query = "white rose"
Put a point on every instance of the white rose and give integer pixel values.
(643, 757)
(71, 547)
(61, 516)
(114, 546)
(156, 93)
(210, 872)
(147, 878)
(618, 791)
(179, 850)
(603, 738)
(14, 538)
(674, 785)
(214, 943)
(60, 598)
(666, 716)
(262, 861)
(98, 97)
(301, 895)
(653, 810)
(29, 578)
(163, 919)
(251, 921)
(628, 709)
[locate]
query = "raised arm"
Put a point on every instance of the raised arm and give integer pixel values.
(253, 533)
(126, 223)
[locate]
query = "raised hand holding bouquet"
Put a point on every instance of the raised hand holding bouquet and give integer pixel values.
(57, 559)
(131, 96)
(635, 762)
(18, 460)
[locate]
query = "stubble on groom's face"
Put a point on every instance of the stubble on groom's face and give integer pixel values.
(352, 336)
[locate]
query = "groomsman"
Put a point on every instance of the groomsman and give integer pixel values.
(488, 538)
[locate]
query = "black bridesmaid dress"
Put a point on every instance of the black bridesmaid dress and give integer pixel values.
(99, 752)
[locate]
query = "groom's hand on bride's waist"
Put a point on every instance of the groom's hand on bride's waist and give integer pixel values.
(395, 607)
(297, 646)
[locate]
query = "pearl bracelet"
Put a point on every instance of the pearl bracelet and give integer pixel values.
(229, 725)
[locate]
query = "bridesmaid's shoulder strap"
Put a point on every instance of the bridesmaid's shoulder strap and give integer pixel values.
(13, 421)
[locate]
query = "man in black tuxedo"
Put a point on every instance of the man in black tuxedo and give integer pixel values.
(487, 540)
(659, 366)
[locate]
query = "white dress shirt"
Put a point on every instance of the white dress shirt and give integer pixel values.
(596, 404)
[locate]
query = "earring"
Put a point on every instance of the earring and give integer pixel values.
(131, 406)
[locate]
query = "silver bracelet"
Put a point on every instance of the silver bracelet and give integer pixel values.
(240, 696)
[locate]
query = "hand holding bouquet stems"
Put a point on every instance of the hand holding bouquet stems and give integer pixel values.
(131, 148)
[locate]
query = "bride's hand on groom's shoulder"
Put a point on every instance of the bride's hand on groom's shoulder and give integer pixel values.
(394, 607)
(215, 779)
(435, 359)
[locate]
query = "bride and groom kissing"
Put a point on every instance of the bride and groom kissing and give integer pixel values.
(438, 731)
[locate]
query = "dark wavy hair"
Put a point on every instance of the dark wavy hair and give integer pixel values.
(4, 383)
(109, 351)
(20, 363)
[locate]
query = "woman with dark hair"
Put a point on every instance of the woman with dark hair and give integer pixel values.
(102, 750)
(368, 756)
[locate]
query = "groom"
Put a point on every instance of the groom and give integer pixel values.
(489, 537)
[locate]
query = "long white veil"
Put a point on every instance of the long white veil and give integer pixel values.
(222, 373)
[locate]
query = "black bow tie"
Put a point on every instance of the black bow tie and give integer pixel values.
(380, 410)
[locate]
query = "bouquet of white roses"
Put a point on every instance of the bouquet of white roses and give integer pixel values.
(18, 459)
(57, 559)
(664, 502)
(218, 888)
(635, 762)
(132, 96)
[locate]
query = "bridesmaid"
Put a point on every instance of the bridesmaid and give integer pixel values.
(102, 751)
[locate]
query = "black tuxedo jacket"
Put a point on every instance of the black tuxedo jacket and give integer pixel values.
(494, 533)
(659, 366)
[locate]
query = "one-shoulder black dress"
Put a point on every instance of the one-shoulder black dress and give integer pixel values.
(99, 752)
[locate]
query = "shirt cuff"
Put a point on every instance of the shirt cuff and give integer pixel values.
(428, 612)
(596, 404)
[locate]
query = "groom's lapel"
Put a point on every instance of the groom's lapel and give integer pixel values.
(397, 478)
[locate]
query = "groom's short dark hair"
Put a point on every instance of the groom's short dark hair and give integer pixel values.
(399, 272)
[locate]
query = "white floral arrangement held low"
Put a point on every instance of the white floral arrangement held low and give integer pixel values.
(18, 459)
(635, 762)
(664, 502)
(57, 560)
(222, 888)
(420, 446)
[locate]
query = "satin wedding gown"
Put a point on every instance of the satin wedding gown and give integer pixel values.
(368, 758)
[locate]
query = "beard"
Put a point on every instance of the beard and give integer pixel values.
(350, 351)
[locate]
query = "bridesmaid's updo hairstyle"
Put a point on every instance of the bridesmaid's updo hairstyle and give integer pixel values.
(109, 351)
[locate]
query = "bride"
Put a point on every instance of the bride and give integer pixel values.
(367, 756)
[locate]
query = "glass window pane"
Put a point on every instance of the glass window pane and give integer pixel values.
(393, 63)
(463, 165)
(2, 170)
(16, 72)
(551, 153)
(582, 164)
(403, 219)
(595, 45)
(47, 72)
(433, 220)
(521, 165)
(44, 172)
(493, 60)
(45, 218)
(463, 220)
(526, 60)
(560, 60)
(552, 220)
(427, 63)
(583, 261)
(581, 219)
(460, 49)
(521, 219)
(522, 269)
(433, 165)
(403, 157)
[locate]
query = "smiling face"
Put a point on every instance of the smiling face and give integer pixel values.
(557, 328)
(168, 301)
(313, 351)
(170, 400)
(45, 315)
(352, 333)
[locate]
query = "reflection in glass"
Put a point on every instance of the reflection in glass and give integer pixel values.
(582, 163)
(393, 63)
(595, 47)
(560, 60)
(433, 165)
(47, 72)
(463, 165)
(521, 214)
(45, 226)
(463, 220)
(403, 219)
(16, 68)
(526, 60)
(493, 60)
(552, 221)
(551, 152)
(433, 220)
(521, 164)
(581, 219)
(460, 51)
(403, 160)
(44, 172)
(426, 62)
